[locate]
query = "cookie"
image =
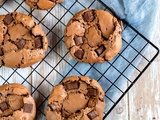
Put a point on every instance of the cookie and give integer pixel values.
(22, 41)
(16, 103)
(93, 36)
(42, 4)
(76, 98)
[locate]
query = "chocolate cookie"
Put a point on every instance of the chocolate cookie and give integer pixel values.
(22, 41)
(93, 36)
(76, 98)
(16, 103)
(42, 4)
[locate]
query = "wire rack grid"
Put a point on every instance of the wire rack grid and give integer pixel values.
(58, 64)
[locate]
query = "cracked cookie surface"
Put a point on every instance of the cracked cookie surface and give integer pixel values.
(76, 98)
(22, 41)
(16, 103)
(42, 4)
(93, 36)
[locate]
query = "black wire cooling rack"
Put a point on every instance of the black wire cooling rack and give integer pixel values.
(116, 77)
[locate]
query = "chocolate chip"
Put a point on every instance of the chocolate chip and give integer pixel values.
(100, 50)
(3, 106)
(92, 92)
(78, 40)
(38, 42)
(72, 85)
(93, 114)
(1, 52)
(79, 54)
(21, 43)
(27, 108)
(53, 107)
(88, 16)
(8, 19)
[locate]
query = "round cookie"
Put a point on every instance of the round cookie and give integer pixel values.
(22, 41)
(93, 36)
(16, 103)
(42, 4)
(76, 98)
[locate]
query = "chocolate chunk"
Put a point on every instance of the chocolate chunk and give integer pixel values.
(72, 85)
(53, 107)
(93, 114)
(1, 52)
(3, 106)
(92, 92)
(79, 54)
(88, 16)
(38, 42)
(78, 40)
(27, 108)
(100, 50)
(21, 43)
(8, 19)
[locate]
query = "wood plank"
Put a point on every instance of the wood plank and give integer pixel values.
(144, 97)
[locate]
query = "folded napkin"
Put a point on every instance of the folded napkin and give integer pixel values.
(140, 14)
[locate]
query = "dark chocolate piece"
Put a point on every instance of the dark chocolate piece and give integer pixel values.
(92, 92)
(72, 85)
(3, 106)
(88, 16)
(8, 19)
(78, 40)
(21, 43)
(79, 54)
(38, 42)
(100, 50)
(93, 114)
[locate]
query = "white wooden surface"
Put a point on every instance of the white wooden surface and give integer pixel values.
(142, 102)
